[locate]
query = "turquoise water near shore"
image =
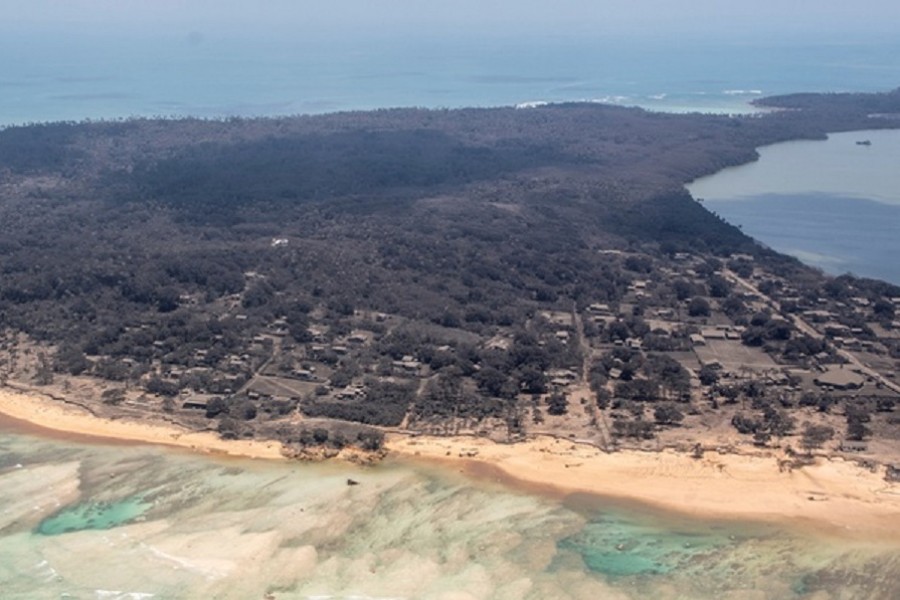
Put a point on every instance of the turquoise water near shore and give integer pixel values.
(833, 204)
(86, 521)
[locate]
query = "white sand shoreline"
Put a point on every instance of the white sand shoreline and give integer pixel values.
(831, 496)
(57, 416)
(834, 495)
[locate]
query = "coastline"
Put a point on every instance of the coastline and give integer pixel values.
(832, 496)
(53, 416)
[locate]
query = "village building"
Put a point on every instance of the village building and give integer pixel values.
(840, 379)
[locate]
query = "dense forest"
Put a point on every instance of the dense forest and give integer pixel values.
(191, 256)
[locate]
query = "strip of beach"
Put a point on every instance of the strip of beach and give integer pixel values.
(834, 495)
(63, 419)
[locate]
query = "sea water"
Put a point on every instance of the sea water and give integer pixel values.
(73, 75)
(833, 204)
(85, 521)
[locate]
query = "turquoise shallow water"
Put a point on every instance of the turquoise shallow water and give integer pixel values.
(81, 521)
(93, 515)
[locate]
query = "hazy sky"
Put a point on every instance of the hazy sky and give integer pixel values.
(336, 17)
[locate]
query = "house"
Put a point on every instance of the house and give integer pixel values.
(304, 374)
(854, 446)
(840, 379)
(408, 365)
(598, 309)
(357, 339)
(697, 339)
(351, 393)
(194, 404)
(565, 374)
(713, 334)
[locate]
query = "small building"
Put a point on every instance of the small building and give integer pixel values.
(304, 374)
(194, 404)
(840, 379)
(599, 309)
(713, 334)
(567, 375)
(408, 365)
(697, 339)
(854, 446)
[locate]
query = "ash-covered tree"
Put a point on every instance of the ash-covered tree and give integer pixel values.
(668, 414)
(698, 307)
(557, 404)
(815, 436)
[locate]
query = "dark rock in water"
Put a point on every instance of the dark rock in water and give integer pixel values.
(352, 482)
(864, 143)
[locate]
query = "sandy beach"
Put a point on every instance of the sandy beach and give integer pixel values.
(832, 495)
(52, 415)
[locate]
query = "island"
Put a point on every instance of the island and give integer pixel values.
(527, 288)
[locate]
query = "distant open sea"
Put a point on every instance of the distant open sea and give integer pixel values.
(74, 76)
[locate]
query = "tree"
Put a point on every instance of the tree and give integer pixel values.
(857, 430)
(719, 287)
(370, 440)
(883, 309)
(557, 404)
(698, 307)
(708, 375)
(491, 381)
(668, 414)
(814, 436)
(215, 407)
(44, 373)
(113, 396)
(683, 289)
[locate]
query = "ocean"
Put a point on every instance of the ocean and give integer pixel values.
(81, 521)
(75, 76)
(94, 522)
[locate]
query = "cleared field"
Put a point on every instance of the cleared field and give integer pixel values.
(734, 356)
(282, 386)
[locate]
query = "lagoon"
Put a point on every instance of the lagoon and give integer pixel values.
(833, 204)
